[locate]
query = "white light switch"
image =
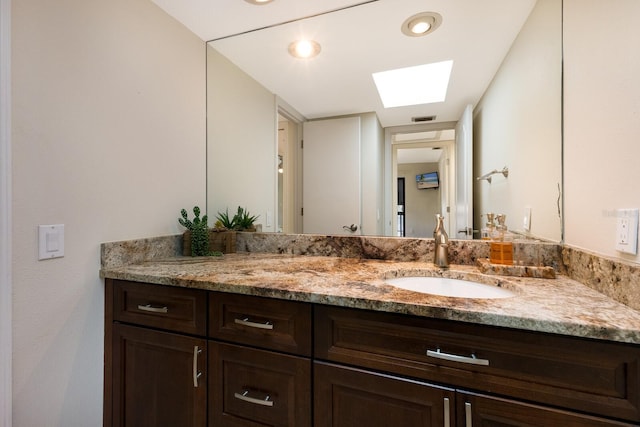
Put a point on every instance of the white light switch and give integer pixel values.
(50, 241)
(53, 243)
(526, 222)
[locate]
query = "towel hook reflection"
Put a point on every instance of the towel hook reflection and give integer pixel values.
(487, 176)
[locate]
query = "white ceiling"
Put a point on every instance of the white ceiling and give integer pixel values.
(410, 146)
(418, 155)
(356, 42)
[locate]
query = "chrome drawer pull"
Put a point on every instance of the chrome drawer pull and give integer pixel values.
(467, 415)
(446, 413)
(247, 322)
(196, 373)
(152, 309)
(473, 360)
(245, 396)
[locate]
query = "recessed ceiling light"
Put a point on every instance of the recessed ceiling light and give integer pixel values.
(258, 2)
(304, 49)
(421, 84)
(421, 24)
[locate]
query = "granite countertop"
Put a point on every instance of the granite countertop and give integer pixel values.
(561, 305)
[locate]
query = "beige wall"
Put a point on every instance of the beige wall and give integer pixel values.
(602, 119)
(242, 132)
(421, 206)
(517, 124)
(108, 138)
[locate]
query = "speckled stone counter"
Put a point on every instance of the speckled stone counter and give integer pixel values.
(561, 305)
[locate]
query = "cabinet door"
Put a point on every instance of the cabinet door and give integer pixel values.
(159, 378)
(352, 397)
(486, 411)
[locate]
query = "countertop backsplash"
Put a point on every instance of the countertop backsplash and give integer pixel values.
(615, 279)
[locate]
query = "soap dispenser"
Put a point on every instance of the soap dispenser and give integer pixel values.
(501, 249)
(441, 252)
(486, 232)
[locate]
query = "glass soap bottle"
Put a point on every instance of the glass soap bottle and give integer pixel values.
(487, 231)
(501, 249)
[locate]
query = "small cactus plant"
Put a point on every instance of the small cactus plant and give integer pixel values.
(199, 231)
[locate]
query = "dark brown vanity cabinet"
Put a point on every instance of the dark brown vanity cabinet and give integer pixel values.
(155, 355)
(518, 378)
(377, 399)
(186, 357)
(259, 361)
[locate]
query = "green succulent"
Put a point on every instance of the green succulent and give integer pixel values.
(224, 220)
(244, 220)
(199, 231)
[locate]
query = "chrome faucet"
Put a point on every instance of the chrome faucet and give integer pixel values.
(441, 255)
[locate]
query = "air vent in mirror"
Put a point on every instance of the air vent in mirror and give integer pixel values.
(423, 119)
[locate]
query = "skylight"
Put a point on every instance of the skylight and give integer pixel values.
(421, 84)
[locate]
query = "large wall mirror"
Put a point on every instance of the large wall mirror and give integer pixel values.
(502, 109)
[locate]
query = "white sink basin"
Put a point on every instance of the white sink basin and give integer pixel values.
(449, 287)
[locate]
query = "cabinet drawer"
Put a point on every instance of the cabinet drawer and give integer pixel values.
(250, 387)
(164, 307)
(591, 376)
(261, 322)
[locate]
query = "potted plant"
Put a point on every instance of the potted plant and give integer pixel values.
(244, 220)
(224, 221)
(196, 238)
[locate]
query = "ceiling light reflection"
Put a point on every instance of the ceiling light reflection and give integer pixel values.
(304, 49)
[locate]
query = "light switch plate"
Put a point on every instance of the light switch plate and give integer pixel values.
(627, 231)
(526, 223)
(50, 241)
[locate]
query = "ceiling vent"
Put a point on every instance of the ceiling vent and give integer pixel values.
(423, 119)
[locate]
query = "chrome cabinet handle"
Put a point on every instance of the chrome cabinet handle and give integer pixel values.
(353, 228)
(446, 412)
(196, 373)
(245, 396)
(467, 415)
(152, 309)
(247, 322)
(473, 360)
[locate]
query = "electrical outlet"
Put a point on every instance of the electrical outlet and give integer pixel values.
(627, 231)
